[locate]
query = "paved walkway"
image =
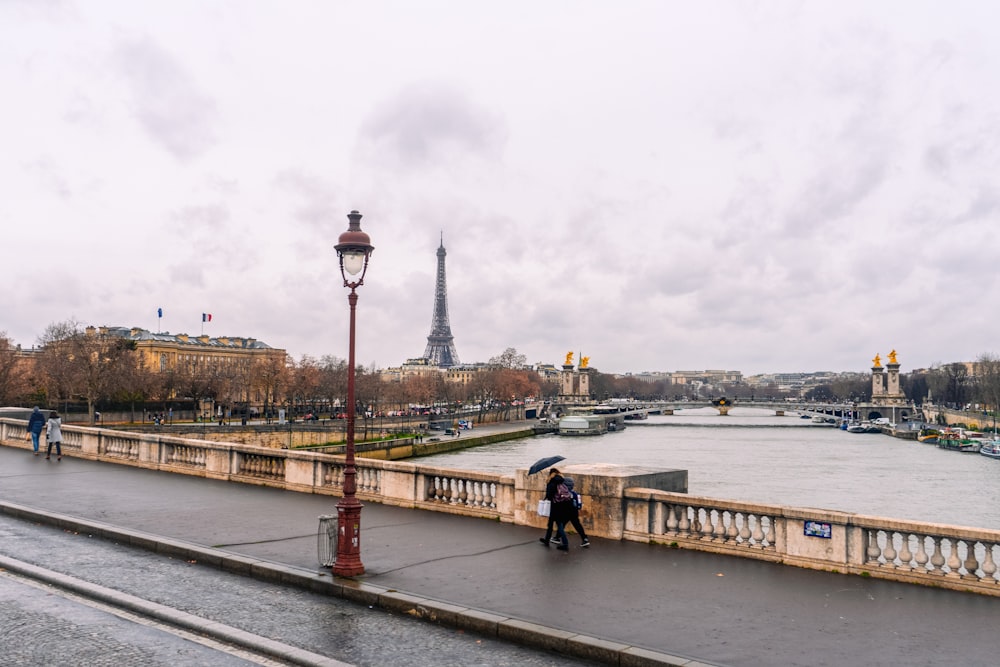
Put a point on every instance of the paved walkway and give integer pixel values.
(690, 605)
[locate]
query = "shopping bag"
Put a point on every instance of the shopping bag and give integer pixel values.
(544, 507)
(27, 436)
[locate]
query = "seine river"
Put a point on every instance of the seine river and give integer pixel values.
(755, 456)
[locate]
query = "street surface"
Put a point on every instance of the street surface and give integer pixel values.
(40, 625)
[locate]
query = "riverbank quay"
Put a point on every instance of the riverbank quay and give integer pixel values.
(686, 605)
(321, 437)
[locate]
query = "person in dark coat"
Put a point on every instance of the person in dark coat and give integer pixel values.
(574, 517)
(36, 422)
(560, 513)
(574, 520)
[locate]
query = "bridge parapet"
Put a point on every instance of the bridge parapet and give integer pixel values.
(617, 505)
(955, 557)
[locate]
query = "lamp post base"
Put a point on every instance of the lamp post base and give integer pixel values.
(348, 560)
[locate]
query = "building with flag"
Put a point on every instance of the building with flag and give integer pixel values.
(163, 352)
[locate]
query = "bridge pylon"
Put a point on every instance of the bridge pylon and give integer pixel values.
(722, 405)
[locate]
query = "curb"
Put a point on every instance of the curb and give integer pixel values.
(499, 626)
(164, 614)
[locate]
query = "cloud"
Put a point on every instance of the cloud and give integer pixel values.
(430, 125)
(166, 100)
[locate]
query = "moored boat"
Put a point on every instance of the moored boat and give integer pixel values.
(990, 448)
(928, 436)
(958, 440)
(863, 427)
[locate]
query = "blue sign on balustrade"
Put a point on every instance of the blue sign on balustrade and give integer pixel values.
(817, 529)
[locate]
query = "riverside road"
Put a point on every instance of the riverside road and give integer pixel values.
(691, 605)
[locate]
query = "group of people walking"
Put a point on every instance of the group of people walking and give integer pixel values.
(53, 432)
(565, 509)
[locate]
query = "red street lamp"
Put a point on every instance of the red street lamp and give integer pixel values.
(354, 249)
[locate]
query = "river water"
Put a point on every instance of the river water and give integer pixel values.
(756, 456)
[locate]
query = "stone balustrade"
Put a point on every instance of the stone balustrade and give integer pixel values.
(940, 555)
(620, 502)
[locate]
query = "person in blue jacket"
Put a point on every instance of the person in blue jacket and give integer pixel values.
(36, 422)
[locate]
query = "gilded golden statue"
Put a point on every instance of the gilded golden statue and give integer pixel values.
(877, 361)
(584, 361)
(569, 359)
(892, 357)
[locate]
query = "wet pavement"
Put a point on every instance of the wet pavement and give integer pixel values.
(46, 620)
(690, 605)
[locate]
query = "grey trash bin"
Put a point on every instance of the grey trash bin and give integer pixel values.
(326, 540)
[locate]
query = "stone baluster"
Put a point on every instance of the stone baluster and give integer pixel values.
(890, 548)
(719, 527)
(671, 519)
(695, 530)
(921, 558)
(684, 524)
(905, 555)
(971, 563)
(696, 525)
(989, 566)
(954, 562)
(758, 532)
(873, 552)
(708, 526)
(770, 535)
(745, 533)
(732, 532)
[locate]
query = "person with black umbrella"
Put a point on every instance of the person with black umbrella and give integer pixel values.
(562, 509)
(574, 518)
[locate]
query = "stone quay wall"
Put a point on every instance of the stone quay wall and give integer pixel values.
(620, 502)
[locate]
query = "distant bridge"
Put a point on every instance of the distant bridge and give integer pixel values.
(830, 409)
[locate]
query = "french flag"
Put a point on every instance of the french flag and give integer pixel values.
(206, 317)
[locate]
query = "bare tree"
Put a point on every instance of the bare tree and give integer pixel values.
(13, 378)
(509, 358)
(988, 383)
(332, 380)
(304, 382)
(369, 394)
(88, 364)
(270, 380)
(957, 384)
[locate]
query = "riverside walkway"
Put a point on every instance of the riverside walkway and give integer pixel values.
(631, 603)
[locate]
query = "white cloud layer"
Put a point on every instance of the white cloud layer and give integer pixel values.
(660, 186)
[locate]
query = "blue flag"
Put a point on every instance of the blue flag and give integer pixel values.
(159, 312)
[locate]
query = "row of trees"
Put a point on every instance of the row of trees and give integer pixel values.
(100, 370)
(74, 364)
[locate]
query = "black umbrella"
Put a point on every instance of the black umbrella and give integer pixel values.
(541, 464)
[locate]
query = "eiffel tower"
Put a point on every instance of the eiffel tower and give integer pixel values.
(440, 343)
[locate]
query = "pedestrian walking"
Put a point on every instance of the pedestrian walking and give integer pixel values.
(559, 515)
(53, 435)
(573, 518)
(36, 422)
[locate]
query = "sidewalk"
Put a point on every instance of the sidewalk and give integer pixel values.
(686, 604)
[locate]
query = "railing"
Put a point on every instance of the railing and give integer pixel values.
(914, 552)
(925, 553)
(932, 552)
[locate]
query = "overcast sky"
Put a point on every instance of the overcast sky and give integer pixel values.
(753, 186)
